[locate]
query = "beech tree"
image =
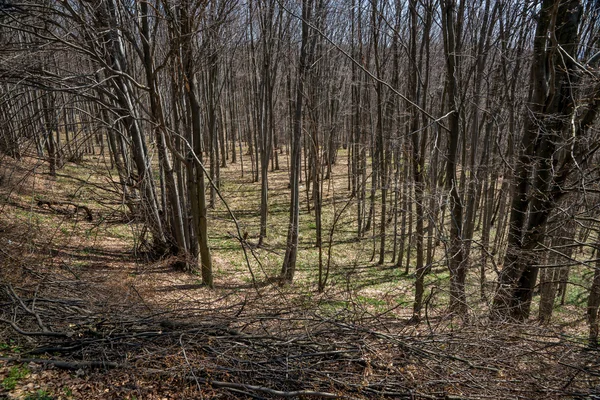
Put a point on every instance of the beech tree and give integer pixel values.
(557, 114)
(288, 268)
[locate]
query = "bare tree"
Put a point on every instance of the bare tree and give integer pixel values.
(543, 169)
(306, 48)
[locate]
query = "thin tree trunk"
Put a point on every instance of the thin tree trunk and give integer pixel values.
(456, 264)
(289, 263)
(195, 173)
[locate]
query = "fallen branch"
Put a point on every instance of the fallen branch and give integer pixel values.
(25, 333)
(70, 365)
(29, 310)
(255, 388)
(78, 207)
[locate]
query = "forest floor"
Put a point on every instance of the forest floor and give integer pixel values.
(84, 315)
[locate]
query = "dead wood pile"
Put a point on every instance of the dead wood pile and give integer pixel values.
(298, 354)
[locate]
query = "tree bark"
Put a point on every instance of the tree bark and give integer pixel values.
(288, 268)
(456, 264)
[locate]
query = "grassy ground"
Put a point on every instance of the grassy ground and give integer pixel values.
(118, 308)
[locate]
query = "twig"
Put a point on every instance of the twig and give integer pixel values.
(29, 310)
(189, 365)
(25, 333)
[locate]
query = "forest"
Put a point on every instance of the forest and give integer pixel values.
(260, 199)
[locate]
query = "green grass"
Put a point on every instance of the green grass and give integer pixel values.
(9, 347)
(39, 395)
(333, 307)
(371, 301)
(15, 374)
(68, 392)
(576, 296)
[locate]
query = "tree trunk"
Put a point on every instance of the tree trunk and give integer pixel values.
(550, 106)
(456, 264)
(195, 173)
(289, 263)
